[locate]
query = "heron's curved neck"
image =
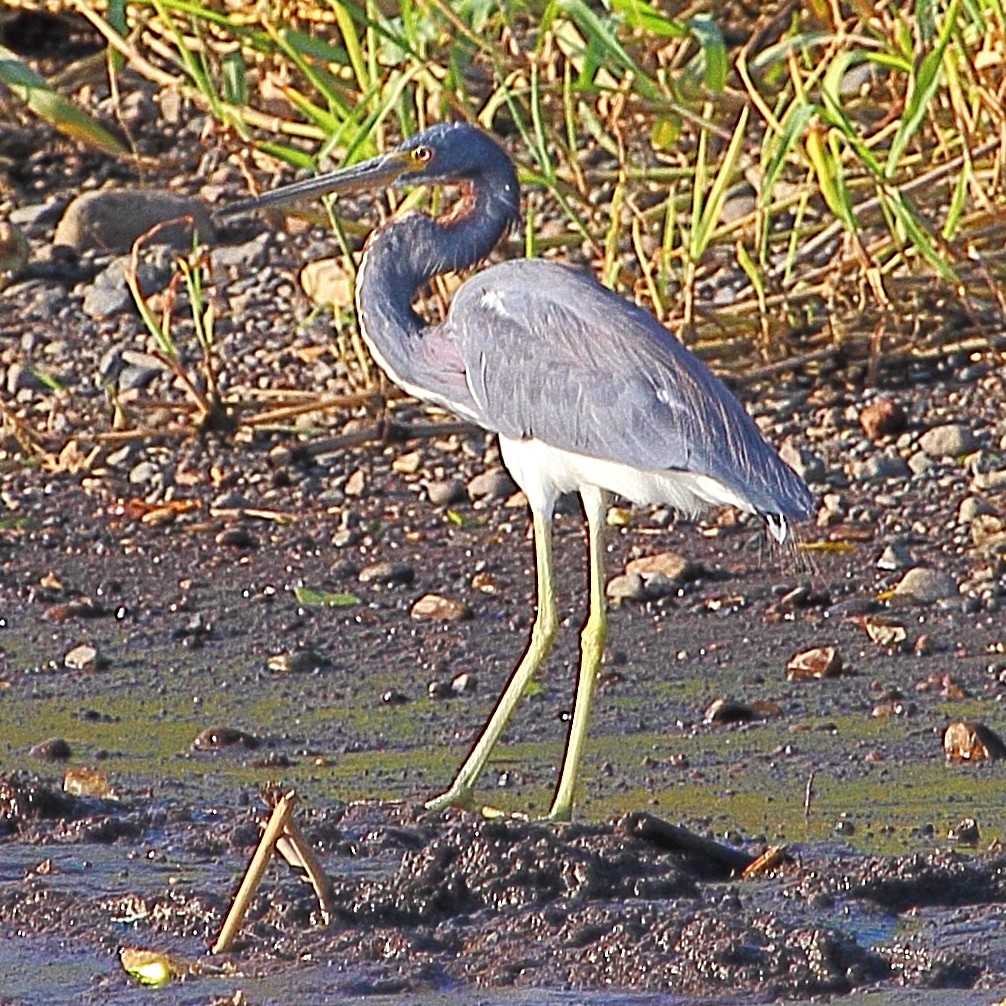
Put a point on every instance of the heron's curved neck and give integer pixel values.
(402, 257)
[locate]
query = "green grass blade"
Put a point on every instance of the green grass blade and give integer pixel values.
(918, 234)
(313, 113)
(957, 204)
(644, 16)
(923, 88)
(603, 38)
(293, 156)
(50, 106)
(794, 126)
(311, 597)
(357, 60)
(753, 273)
(235, 78)
(698, 194)
(713, 204)
(714, 51)
(830, 175)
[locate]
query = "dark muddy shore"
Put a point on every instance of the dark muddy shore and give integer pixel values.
(189, 629)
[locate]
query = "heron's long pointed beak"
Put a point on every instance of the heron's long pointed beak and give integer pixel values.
(368, 175)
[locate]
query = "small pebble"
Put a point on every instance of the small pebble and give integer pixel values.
(464, 684)
(894, 557)
(221, 738)
(883, 417)
(965, 832)
(446, 493)
(435, 607)
(237, 537)
(924, 585)
(295, 662)
(950, 440)
(492, 484)
(51, 749)
(968, 740)
(84, 657)
(387, 572)
(722, 711)
(818, 662)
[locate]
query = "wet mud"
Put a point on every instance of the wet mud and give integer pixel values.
(191, 718)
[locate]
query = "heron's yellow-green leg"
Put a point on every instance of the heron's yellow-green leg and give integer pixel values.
(546, 624)
(595, 503)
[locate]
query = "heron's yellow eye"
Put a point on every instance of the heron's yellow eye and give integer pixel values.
(422, 155)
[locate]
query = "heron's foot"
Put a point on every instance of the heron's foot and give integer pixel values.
(461, 797)
(560, 814)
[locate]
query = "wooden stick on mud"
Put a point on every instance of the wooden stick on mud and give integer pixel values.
(296, 850)
(719, 859)
(278, 823)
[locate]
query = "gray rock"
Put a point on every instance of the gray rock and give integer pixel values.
(994, 481)
(464, 684)
(36, 214)
(19, 377)
(250, 254)
(880, 466)
(805, 463)
(144, 472)
(492, 484)
(948, 441)
(895, 556)
(972, 507)
(652, 576)
(296, 662)
(138, 109)
(446, 493)
(108, 295)
(51, 749)
(924, 585)
(387, 572)
(112, 219)
(121, 457)
(437, 608)
(626, 587)
(128, 368)
(14, 250)
(671, 566)
(133, 377)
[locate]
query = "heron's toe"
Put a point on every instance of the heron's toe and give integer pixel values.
(460, 797)
(560, 814)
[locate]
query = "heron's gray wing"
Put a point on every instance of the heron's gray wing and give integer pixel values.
(551, 354)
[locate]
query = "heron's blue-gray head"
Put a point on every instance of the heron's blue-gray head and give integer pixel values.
(449, 153)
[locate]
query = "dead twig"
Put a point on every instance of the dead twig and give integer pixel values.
(294, 848)
(278, 822)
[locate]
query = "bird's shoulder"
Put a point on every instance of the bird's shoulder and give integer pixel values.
(507, 288)
(559, 312)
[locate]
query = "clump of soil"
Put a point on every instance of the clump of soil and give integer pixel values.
(421, 900)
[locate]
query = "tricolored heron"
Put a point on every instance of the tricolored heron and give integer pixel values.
(587, 391)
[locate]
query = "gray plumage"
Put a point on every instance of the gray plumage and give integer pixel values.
(574, 365)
